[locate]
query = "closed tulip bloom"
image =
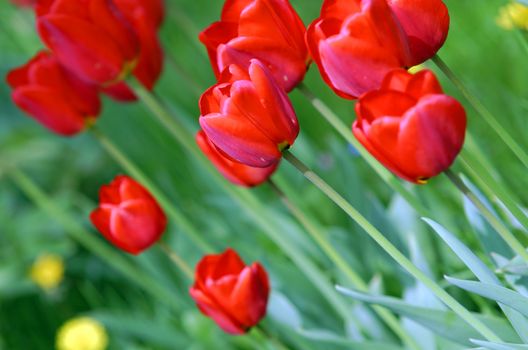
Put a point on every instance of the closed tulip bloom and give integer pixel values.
(237, 173)
(128, 215)
(248, 116)
(410, 126)
(145, 16)
(90, 37)
(426, 25)
(355, 43)
(269, 30)
(53, 96)
(234, 295)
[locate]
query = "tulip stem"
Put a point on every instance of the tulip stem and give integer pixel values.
(497, 225)
(346, 133)
(246, 201)
(390, 249)
(483, 111)
(342, 264)
(135, 172)
(90, 241)
(177, 260)
(262, 332)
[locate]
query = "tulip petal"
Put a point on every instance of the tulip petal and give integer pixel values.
(50, 109)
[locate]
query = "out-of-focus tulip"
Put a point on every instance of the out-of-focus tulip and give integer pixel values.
(53, 96)
(237, 173)
(248, 116)
(92, 38)
(269, 30)
(355, 43)
(82, 333)
(128, 216)
(234, 295)
(513, 16)
(145, 16)
(410, 126)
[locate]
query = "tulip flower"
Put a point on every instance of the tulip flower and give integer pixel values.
(128, 215)
(54, 96)
(355, 43)
(269, 30)
(145, 16)
(92, 38)
(248, 116)
(237, 173)
(410, 126)
(234, 295)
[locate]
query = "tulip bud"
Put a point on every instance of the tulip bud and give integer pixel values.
(355, 43)
(410, 126)
(234, 295)
(237, 173)
(128, 216)
(248, 116)
(92, 38)
(145, 16)
(268, 30)
(53, 96)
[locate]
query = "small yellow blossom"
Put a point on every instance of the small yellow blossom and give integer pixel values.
(416, 69)
(47, 271)
(513, 16)
(82, 333)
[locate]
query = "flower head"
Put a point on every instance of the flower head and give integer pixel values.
(82, 333)
(47, 271)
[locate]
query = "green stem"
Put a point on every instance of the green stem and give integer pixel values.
(390, 249)
(497, 225)
(247, 202)
(135, 172)
(342, 264)
(91, 242)
(262, 333)
(483, 111)
(177, 260)
(523, 38)
(346, 133)
(493, 187)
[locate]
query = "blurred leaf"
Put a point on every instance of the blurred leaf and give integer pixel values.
(498, 346)
(282, 310)
(494, 292)
(444, 323)
(335, 340)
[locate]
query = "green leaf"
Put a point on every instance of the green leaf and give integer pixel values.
(494, 292)
(336, 340)
(444, 323)
(483, 273)
(498, 346)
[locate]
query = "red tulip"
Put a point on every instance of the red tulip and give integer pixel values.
(145, 17)
(237, 173)
(128, 216)
(53, 96)
(234, 295)
(248, 116)
(426, 24)
(90, 37)
(269, 30)
(410, 126)
(355, 43)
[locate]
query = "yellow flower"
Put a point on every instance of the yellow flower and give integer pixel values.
(47, 271)
(513, 16)
(82, 333)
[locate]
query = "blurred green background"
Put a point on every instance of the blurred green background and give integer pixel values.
(489, 59)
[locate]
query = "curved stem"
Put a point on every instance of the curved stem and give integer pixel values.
(134, 171)
(346, 133)
(342, 264)
(177, 260)
(90, 242)
(497, 225)
(483, 111)
(247, 202)
(390, 249)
